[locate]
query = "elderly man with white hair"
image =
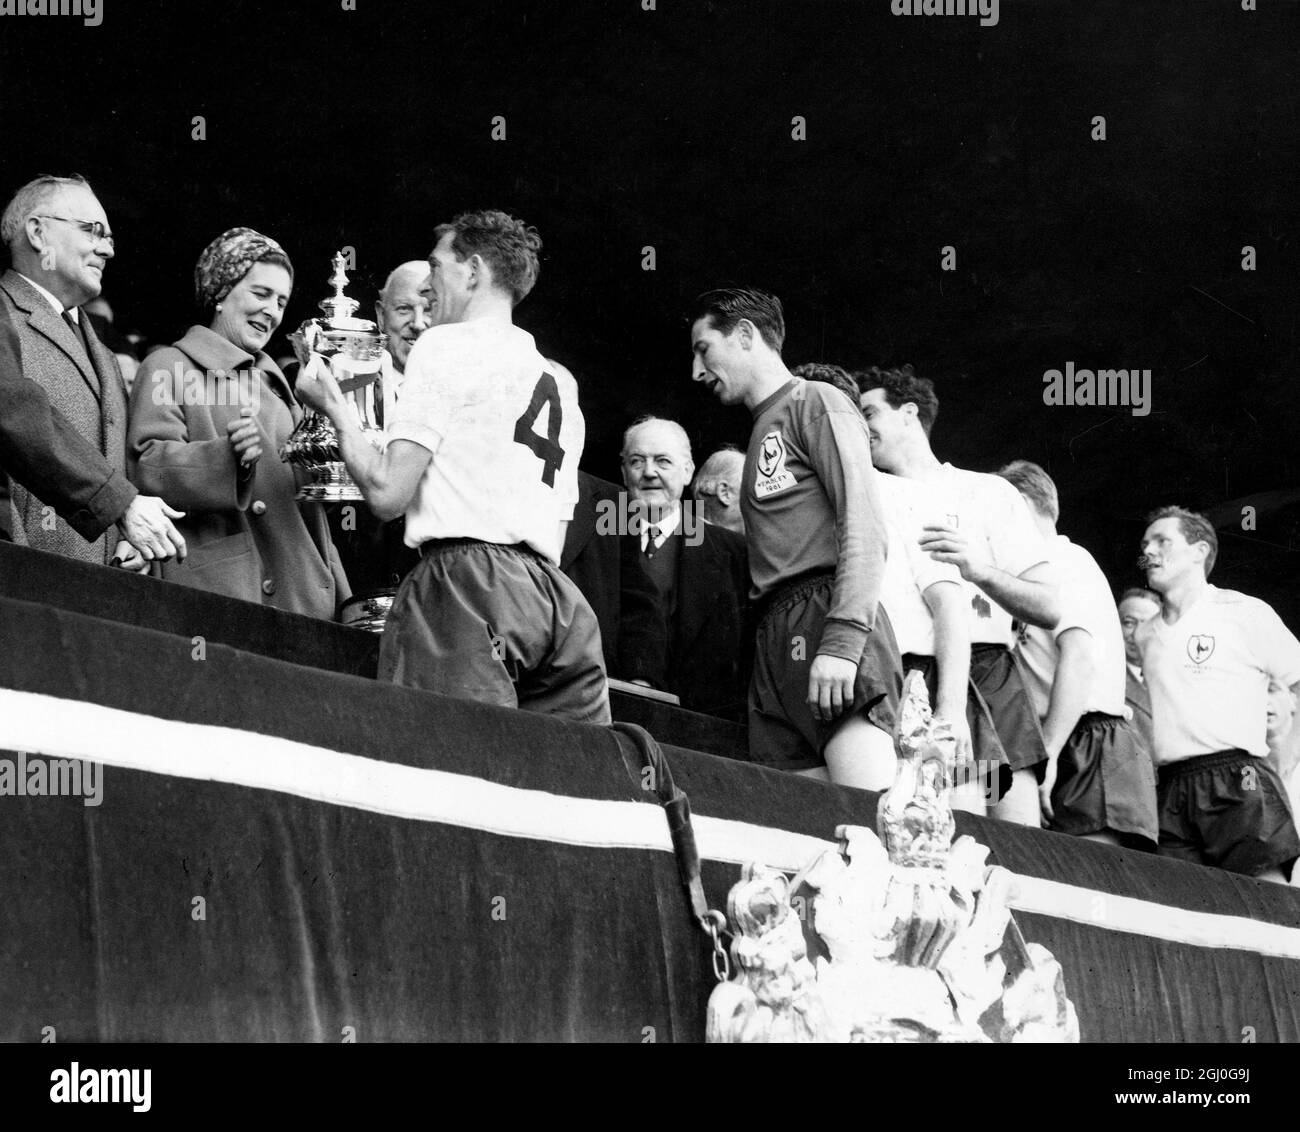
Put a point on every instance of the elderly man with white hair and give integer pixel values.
(700, 572)
(63, 485)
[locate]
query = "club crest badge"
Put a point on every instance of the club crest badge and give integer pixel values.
(1200, 647)
(773, 476)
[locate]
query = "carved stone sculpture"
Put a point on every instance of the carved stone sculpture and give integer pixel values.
(915, 929)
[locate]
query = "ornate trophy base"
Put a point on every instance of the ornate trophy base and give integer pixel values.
(330, 483)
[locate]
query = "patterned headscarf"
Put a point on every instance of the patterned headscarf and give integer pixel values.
(228, 259)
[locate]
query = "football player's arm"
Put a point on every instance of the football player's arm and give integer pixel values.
(947, 605)
(839, 451)
(1069, 697)
(1030, 589)
(1033, 596)
(387, 479)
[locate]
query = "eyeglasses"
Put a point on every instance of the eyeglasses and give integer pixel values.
(93, 228)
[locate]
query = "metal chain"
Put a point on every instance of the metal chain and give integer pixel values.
(715, 924)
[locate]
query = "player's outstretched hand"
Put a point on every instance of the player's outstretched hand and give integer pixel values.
(316, 387)
(948, 544)
(830, 685)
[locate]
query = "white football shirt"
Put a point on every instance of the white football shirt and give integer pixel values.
(995, 517)
(505, 431)
(909, 571)
(1208, 674)
(1085, 604)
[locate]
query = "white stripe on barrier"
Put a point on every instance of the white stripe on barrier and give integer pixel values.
(66, 728)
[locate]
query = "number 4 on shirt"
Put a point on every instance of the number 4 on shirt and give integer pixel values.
(545, 448)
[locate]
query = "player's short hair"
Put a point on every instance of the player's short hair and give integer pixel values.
(508, 246)
(1035, 485)
(902, 386)
(673, 426)
(724, 307)
(32, 197)
(1195, 528)
(830, 375)
(1141, 592)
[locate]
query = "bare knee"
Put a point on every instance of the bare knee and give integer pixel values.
(1103, 837)
(1020, 804)
(861, 754)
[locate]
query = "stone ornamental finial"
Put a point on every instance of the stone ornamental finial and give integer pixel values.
(921, 945)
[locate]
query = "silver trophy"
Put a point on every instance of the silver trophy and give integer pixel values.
(354, 349)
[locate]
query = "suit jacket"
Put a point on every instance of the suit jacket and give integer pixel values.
(62, 430)
(633, 630)
(248, 537)
(1138, 698)
(710, 638)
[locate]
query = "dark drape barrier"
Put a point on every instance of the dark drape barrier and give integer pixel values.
(283, 852)
(30, 575)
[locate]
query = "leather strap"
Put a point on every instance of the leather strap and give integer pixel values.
(677, 808)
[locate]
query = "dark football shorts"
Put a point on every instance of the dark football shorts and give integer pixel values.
(1227, 810)
(497, 624)
(995, 671)
(991, 767)
(1105, 781)
(783, 732)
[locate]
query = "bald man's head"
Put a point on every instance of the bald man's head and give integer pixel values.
(718, 488)
(402, 310)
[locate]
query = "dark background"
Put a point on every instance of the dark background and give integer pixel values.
(672, 128)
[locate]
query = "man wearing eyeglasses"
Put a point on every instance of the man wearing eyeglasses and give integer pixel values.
(63, 485)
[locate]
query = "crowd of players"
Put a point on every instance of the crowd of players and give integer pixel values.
(789, 586)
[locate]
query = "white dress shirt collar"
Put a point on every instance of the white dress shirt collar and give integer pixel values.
(59, 308)
(666, 524)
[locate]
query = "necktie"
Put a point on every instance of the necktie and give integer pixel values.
(75, 327)
(652, 535)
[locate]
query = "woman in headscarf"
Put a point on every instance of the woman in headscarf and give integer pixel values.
(208, 417)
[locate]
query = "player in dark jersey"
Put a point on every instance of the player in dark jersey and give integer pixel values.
(827, 673)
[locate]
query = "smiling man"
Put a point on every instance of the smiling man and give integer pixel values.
(827, 674)
(63, 486)
(1209, 658)
(990, 537)
(402, 309)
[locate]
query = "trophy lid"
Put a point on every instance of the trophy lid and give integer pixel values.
(339, 308)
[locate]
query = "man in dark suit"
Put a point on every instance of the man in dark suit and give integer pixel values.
(1137, 605)
(607, 569)
(700, 571)
(63, 486)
